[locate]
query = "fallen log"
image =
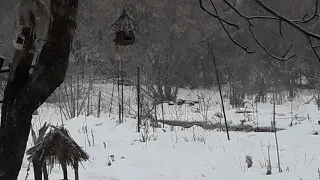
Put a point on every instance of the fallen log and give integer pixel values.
(212, 126)
(244, 111)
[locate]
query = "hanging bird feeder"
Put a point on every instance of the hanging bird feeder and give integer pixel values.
(124, 38)
(124, 28)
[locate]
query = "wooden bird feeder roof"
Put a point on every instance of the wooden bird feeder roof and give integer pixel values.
(57, 145)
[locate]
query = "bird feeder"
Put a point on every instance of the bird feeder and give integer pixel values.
(124, 38)
(19, 44)
(58, 146)
(124, 27)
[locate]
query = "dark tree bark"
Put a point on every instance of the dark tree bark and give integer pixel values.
(26, 93)
(12, 120)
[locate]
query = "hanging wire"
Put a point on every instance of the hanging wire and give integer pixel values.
(124, 22)
(124, 4)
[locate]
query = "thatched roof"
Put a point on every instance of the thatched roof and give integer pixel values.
(58, 145)
(124, 22)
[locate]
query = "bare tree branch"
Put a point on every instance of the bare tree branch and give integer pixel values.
(283, 58)
(216, 16)
(280, 29)
(308, 34)
(274, 16)
(288, 49)
(288, 21)
(313, 48)
(314, 15)
(245, 48)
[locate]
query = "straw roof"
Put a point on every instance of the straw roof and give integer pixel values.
(124, 22)
(57, 145)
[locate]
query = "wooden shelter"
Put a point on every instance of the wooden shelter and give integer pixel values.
(58, 146)
(124, 28)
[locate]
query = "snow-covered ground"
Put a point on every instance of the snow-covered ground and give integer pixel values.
(190, 154)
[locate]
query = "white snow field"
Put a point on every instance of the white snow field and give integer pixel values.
(193, 153)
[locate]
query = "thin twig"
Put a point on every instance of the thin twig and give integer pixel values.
(314, 15)
(288, 21)
(280, 29)
(283, 58)
(228, 34)
(274, 16)
(216, 16)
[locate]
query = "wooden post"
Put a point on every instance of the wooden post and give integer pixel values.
(64, 170)
(99, 104)
(45, 171)
(37, 169)
(76, 170)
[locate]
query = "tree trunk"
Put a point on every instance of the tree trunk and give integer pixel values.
(26, 93)
(14, 120)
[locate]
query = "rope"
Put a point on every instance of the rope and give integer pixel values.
(124, 4)
(124, 22)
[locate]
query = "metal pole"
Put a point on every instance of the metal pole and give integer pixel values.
(99, 104)
(122, 106)
(138, 98)
(111, 99)
(275, 129)
(218, 81)
(162, 111)
(118, 85)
